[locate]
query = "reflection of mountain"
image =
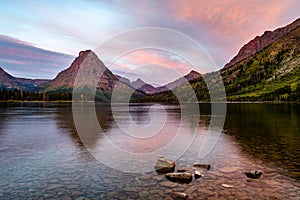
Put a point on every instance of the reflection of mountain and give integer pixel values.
(65, 120)
(3, 115)
(267, 132)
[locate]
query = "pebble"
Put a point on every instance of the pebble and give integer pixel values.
(168, 184)
(54, 186)
(179, 195)
(72, 186)
(80, 198)
(158, 177)
(184, 169)
(205, 191)
(143, 194)
(191, 189)
(226, 185)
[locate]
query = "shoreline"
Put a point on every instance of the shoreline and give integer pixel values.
(199, 102)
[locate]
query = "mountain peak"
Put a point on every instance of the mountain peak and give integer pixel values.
(66, 78)
(139, 84)
(139, 81)
(194, 72)
(85, 53)
(192, 75)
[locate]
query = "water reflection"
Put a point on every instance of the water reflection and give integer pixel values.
(269, 132)
(117, 147)
(41, 151)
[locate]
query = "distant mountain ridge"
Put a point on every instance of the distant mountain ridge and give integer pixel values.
(11, 82)
(182, 80)
(139, 84)
(147, 88)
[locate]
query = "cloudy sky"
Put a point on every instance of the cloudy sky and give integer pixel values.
(40, 38)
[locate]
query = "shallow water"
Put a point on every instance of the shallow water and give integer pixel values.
(44, 157)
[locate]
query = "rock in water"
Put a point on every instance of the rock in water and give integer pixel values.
(254, 174)
(182, 177)
(203, 166)
(179, 195)
(197, 174)
(164, 165)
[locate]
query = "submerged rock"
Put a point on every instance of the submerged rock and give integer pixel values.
(203, 166)
(179, 195)
(182, 177)
(184, 169)
(164, 165)
(254, 174)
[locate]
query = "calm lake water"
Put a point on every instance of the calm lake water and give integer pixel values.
(43, 156)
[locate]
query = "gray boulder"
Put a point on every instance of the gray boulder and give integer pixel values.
(164, 165)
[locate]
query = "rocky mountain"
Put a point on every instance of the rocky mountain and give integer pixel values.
(266, 69)
(64, 81)
(178, 82)
(139, 84)
(180, 87)
(123, 79)
(261, 42)
(93, 70)
(10, 82)
(273, 73)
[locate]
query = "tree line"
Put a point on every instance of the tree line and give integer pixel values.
(20, 95)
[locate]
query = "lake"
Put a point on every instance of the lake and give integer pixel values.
(45, 155)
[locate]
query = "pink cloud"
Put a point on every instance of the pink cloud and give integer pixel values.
(225, 17)
(152, 66)
(226, 25)
(158, 57)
